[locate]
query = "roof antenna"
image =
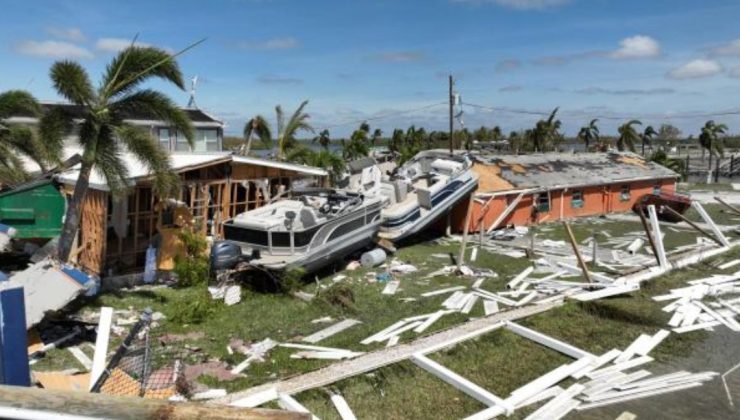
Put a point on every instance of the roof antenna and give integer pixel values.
(193, 84)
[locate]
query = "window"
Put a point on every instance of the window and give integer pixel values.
(543, 203)
(625, 193)
(576, 199)
(656, 189)
(206, 140)
(164, 138)
(181, 143)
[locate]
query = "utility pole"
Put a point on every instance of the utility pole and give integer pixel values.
(452, 104)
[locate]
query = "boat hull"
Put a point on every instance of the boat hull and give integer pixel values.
(399, 228)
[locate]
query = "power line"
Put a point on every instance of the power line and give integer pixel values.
(383, 116)
(603, 117)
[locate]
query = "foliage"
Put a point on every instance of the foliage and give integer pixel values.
(338, 294)
(710, 140)
(104, 133)
(193, 272)
(291, 279)
(323, 158)
(647, 136)
(589, 133)
(546, 133)
(259, 128)
(628, 136)
(18, 140)
(323, 139)
(358, 145)
(668, 132)
(660, 157)
(286, 130)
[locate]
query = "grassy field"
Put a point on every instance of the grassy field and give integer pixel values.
(499, 362)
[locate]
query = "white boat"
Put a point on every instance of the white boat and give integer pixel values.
(422, 190)
(310, 229)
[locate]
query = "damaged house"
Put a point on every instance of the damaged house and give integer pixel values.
(115, 232)
(530, 189)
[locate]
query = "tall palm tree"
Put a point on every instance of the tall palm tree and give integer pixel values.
(589, 133)
(647, 136)
(397, 140)
(709, 139)
(377, 135)
(259, 128)
(286, 130)
(332, 162)
(628, 136)
(323, 139)
(546, 132)
(18, 140)
(358, 144)
(103, 133)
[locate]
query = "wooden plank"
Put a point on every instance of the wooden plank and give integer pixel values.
(101, 344)
(505, 213)
(81, 357)
(658, 237)
(374, 360)
(548, 341)
(461, 256)
(520, 277)
(330, 331)
(459, 382)
(545, 412)
(342, 407)
(577, 251)
(443, 291)
(704, 215)
(286, 402)
(547, 380)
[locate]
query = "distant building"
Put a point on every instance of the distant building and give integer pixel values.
(556, 186)
(209, 131)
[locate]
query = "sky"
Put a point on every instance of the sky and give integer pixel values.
(387, 61)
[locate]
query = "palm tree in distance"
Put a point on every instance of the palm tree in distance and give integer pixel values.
(323, 139)
(286, 130)
(709, 139)
(546, 132)
(358, 144)
(628, 136)
(259, 128)
(589, 133)
(18, 140)
(103, 133)
(647, 136)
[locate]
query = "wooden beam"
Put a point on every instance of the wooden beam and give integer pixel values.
(461, 257)
(548, 341)
(460, 383)
(101, 344)
(728, 205)
(24, 402)
(505, 213)
(693, 225)
(577, 251)
(662, 260)
(704, 215)
(649, 234)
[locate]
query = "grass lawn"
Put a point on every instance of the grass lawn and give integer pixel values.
(499, 361)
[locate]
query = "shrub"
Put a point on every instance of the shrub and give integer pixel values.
(193, 271)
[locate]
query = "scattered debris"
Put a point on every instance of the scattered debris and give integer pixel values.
(330, 331)
(391, 287)
(316, 352)
(233, 295)
(256, 353)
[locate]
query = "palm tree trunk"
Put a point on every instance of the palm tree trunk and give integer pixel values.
(248, 147)
(643, 147)
(74, 208)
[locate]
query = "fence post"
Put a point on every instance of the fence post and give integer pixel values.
(716, 170)
(688, 163)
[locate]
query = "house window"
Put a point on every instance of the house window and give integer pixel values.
(576, 199)
(543, 203)
(181, 143)
(206, 140)
(164, 138)
(656, 189)
(625, 193)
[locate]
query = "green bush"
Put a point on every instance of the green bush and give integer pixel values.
(193, 272)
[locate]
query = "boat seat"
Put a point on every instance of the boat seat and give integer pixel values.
(308, 218)
(425, 194)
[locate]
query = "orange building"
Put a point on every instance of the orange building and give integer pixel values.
(552, 187)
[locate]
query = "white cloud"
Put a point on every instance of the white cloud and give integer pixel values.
(638, 46)
(731, 48)
(116, 44)
(520, 4)
(400, 56)
(69, 34)
(696, 69)
(54, 49)
(281, 43)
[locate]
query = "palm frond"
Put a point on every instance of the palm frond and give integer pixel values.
(134, 65)
(157, 106)
(72, 82)
(53, 127)
(259, 127)
(145, 148)
(18, 102)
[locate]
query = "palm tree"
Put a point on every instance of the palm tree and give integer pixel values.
(628, 136)
(709, 139)
(397, 140)
(377, 135)
(589, 133)
(286, 130)
(323, 139)
(647, 136)
(334, 163)
(103, 133)
(358, 144)
(546, 132)
(256, 127)
(18, 140)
